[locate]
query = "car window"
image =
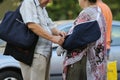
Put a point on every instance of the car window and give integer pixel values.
(66, 29)
(115, 35)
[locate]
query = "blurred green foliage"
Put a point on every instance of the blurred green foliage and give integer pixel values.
(61, 9)
(7, 5)
(1, 1)
(115, 8)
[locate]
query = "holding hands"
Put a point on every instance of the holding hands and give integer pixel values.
(62, 34)
(59, 37)
(58, 40)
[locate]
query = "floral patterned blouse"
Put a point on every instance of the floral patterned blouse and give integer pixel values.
(96, 51)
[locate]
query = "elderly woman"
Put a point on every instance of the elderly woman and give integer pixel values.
(88, 63)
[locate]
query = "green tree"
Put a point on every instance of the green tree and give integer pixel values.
(61, 9)
(8, 5)
(1, 1)
(115, 7)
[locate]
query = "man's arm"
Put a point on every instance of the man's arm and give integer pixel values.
(37, 29)
(57, 32)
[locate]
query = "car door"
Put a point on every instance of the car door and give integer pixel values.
(115, 46)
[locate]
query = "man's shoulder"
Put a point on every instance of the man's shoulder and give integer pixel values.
(105, 8)
(28, 1)
(103, 5)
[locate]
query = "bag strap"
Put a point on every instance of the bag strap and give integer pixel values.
(34, 2)
(36, 6)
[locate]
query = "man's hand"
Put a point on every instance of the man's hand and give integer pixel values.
(57, 39)
(57, 32)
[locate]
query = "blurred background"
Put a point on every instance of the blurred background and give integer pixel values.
(61, 9)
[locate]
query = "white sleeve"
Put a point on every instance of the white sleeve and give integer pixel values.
(28, 11)
(51, 24)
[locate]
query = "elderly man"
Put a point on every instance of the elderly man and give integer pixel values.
(35, 16)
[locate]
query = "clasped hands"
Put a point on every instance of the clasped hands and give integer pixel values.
(59, 39)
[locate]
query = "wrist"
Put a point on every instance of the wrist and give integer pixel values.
(58, 33)
(51, 38)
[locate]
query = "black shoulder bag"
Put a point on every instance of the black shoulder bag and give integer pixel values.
(14, 31)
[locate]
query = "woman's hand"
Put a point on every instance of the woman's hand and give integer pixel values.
(62, 34)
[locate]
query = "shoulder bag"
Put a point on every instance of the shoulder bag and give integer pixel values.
(14, 31)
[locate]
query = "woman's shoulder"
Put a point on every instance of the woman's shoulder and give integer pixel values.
(91, 12)
(91, 9)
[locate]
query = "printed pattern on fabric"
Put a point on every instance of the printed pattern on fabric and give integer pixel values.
(96, 51)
